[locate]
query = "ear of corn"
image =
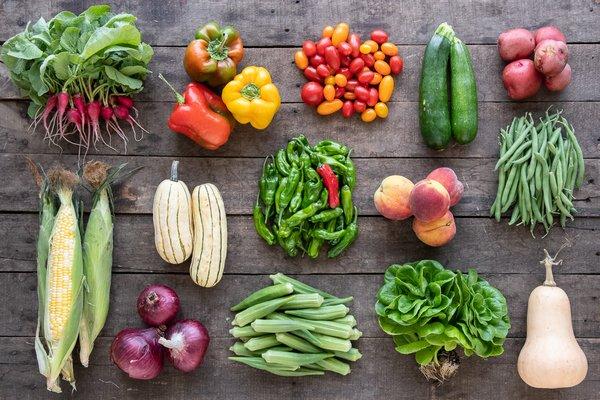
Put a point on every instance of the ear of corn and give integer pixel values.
(97, 256)
(61, 279)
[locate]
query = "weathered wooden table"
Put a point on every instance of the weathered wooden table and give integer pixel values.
(272, 30)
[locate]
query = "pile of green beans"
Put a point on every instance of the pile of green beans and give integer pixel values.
(540, 166)
(292, 207)
(292, 329)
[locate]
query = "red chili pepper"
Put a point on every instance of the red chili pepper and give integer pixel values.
(330, 180)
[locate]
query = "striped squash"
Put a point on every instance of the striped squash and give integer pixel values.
(172, 216)
(210, 235)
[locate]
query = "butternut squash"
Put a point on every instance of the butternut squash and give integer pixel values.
(551, 357)
(210, 235)
(172, 217)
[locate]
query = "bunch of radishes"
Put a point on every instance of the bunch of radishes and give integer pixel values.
(523, 77)
(77, 121)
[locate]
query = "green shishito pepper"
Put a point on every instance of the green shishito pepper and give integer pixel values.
(281, 162)
(286, 194)
(296, 201)
(268, 186)
(349, 237)
(302, 215)
(327, 215)
(261, 227)
(347, 206)
(331, 148)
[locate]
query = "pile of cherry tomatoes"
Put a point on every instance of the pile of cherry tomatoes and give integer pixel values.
(348, 74)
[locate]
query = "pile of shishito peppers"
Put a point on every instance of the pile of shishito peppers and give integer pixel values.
(305, 198)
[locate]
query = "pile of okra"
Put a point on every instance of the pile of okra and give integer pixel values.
(540, 166)
(305, 198)
(292, 329)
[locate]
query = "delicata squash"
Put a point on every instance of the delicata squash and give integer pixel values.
(172, 216)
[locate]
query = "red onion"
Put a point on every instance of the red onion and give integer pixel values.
(186, 342)
(137, 352)
(158, 305)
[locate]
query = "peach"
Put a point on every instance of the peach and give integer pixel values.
(435, 233)
(429, 200)
(447, 177)
(391, 198)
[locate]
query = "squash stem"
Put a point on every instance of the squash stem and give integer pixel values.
(548, 262)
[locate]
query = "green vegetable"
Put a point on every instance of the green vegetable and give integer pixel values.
(244, 332)
(463, 93)
(326, 313)
(261, 342)
(259, 363)
(258, 311)
(291, 359)
(264, 294)
(303, 300)
(430, 311)
(276, 326)
(296, 343)
(334, 365)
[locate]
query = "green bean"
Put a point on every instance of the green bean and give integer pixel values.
(525, 193)
(534, 148)
(575, 144)
(560, 183)
(501, 188)
(563, 158)
(509, 153)
(517, 153)
(516, 213)
(522, 209)
(536, 210)
(555, 134)
(562, 207)
(508, 188)
(553, 185)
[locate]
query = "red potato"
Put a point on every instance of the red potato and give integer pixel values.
(558, 82)
(521, 79)
(550, 57)
(549, 32)
(515, 44)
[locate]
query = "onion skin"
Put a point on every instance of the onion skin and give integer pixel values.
(186, 342)
(137, 352)
(158, 305)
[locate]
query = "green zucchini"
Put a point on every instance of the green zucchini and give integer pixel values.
(434, 114)
(463, 93)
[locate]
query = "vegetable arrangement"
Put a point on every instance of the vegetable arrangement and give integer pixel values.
(300, 204)
(68, 308)
(523, 77)
(447, 92)
(397, 198)
(292, 329)
(140, 352)
(431, 311)
(551, 357)
(78, 70)
(191, 225)
(347, 74)
(540, 166)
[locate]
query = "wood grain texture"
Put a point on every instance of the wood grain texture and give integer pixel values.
(276, 23)
(248, 254)
(380, 374)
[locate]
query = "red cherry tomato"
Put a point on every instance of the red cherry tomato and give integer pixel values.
(348, 109)
(346, 72)
(365, 77)
(359, 106)
(379, 36)
(309, 48)
(345, 61)
(356, 65)
(322, 44)
(396, 64)
(332, 57)
(362, 93)
(339, 92)
(312, 93)
(351, 85)
(344, 48)
(311, 74)
(369, 59)
(323, 71)
(316, 60)
(373, 97)
(354, 42)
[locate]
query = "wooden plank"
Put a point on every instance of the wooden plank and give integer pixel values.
(397, 136)
(396, 377)
(269, 23)
(395, 242)
(486, 61)
(212, 305)
(236, 178)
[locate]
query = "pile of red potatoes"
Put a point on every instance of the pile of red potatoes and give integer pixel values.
(429, 201)
(523, 77)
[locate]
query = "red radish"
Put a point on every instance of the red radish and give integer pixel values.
(125, 101)
(93, 112)
(121, 112)
(63, 102)
(107, 113)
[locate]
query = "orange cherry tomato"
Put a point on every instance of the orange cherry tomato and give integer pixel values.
(330, 80)
(329, 92)
(389, 49)
(381, 109)
(340, 33)
(372, 44)
(368, 115)
(386, 88)
(364, 48)
(376, 79)
(349, 96)
(382, 67)
(379, 55)
(327, 31)
(341, 80)
(300, 59)
(329, 107)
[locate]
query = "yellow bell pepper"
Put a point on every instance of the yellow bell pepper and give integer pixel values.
(252, 97)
